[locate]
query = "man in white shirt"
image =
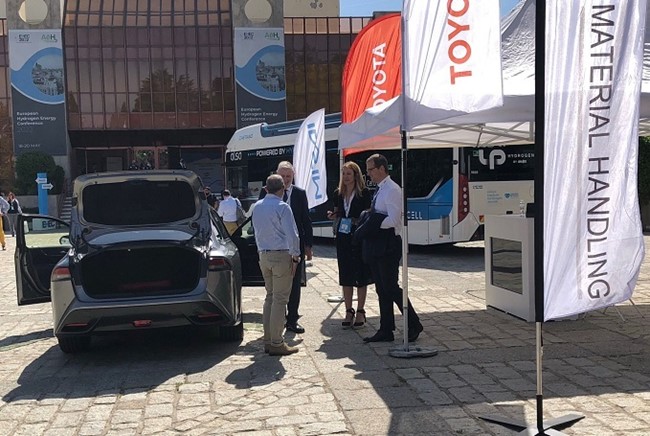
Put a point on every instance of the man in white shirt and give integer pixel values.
(228, 210)
(386, 252)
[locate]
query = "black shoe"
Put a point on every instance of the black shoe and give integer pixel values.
(414, 333)
(349, 318)
(295, 327)
(380, 337)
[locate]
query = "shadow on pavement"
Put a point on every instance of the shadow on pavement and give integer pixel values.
(461, 257)
(118, 363)
(12, 341)
(263, 370)
(485, 366)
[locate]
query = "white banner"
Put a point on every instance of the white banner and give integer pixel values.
(452, 59)
(309, 158)
(593, 241)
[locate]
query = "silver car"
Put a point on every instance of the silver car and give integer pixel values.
(143, 250)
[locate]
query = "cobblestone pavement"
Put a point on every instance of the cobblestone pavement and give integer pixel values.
(168, 383)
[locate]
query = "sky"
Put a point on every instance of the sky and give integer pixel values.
(365, 8)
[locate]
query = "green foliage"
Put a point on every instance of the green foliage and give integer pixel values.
(163, 92)
(6, 149)
(29, 164)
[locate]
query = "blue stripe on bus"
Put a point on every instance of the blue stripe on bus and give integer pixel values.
(433, 207)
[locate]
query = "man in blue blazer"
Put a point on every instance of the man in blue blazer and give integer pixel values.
(297, 199)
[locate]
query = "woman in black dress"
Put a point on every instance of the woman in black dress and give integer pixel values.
(350, 199)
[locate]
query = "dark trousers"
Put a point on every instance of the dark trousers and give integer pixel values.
(294, 297)
(385, 271)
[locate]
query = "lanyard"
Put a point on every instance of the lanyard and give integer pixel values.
(347, 202)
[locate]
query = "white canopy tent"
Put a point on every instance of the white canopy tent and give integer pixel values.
(512, 123)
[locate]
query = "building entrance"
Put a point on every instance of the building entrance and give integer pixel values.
(148, 158)
(99, 160)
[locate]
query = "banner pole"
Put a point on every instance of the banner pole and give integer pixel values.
(339, 298)
(539, 398)
(405, 351)
(540, 122)
(540, 427)
(405, 243)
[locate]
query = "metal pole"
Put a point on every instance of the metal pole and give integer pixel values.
(414, 351)
(540, 105)
(339, 298)
(405, 244)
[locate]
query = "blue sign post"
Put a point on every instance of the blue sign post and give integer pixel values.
(43, 187)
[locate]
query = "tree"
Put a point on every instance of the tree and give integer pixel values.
(32, 163)
(6, 149)
(158, 93)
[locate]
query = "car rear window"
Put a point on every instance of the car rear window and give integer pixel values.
(138, 202)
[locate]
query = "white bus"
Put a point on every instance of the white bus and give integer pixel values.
(449, 190)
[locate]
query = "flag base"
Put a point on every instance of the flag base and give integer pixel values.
(338, 299)
(335, 299)
(532, 430)
(412, 351)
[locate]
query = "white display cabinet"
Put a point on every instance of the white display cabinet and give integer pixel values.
(510, 265)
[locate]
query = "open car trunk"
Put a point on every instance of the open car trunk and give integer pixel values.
(140, 272)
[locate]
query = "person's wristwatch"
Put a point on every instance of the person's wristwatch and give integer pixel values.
(295, 259)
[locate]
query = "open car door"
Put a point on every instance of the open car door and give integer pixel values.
(41, 241)
(244, 239)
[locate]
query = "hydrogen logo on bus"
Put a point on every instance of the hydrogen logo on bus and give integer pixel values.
(315, 172)
(496, 157)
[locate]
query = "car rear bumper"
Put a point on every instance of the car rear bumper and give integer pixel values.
(88, 320)
(221, 307)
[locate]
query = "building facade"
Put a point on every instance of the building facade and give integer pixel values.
(150, 83)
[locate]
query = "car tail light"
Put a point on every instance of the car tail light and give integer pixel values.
(218, 263)
(75, 327)
(142, 323)
(208, 316)
(463, 197)
(60, 273)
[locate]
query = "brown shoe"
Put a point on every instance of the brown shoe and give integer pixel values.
(282, 350)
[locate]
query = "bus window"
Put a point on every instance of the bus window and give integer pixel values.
(426, 168)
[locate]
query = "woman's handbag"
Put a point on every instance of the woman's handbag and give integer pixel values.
(241, 215)
(335, 225)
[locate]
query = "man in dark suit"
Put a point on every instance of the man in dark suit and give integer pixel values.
(297, 199)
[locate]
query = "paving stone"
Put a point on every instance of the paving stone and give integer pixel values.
(175, 383)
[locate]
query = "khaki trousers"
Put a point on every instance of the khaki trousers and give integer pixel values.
(231, 226)
(2, 234)
(276, 270)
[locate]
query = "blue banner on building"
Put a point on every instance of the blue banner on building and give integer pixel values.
(38, 91)
(260, 76)
(258, 45)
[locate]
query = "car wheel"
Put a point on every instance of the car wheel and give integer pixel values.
(74, 344)
(231, 333)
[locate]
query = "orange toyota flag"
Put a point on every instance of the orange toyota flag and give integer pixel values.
(372, 74)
